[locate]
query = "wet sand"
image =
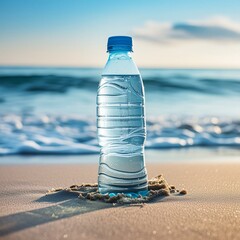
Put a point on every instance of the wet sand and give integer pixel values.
(210, 210)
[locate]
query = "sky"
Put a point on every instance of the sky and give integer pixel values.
(166, 33)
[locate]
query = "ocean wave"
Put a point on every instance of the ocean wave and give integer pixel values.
(46, 134)
(45, 83)
(164, 84)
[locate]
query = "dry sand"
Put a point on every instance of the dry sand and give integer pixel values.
(210, 210)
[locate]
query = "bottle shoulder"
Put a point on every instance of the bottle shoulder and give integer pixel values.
(120, 67)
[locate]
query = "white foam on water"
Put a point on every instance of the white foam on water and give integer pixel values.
(47, 134)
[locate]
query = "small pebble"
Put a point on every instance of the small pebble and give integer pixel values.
(183, 192)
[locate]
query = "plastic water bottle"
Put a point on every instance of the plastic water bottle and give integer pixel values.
(121, 123)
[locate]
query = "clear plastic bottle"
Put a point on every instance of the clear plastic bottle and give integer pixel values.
(121, 122)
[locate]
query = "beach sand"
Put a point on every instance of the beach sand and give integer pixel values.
(210, 210)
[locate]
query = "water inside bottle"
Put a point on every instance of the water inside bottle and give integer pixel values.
(122, 132)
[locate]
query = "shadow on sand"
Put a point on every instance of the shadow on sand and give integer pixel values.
(68, 205)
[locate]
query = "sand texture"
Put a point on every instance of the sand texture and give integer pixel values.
(210, 210)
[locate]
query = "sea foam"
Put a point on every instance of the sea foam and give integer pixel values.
(47, 134)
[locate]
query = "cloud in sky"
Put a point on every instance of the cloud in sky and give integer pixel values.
(215, 29)
(210, 43)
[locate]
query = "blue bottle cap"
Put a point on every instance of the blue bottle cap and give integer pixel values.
(119, 43)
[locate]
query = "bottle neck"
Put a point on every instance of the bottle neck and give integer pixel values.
(120, 55)
(120, 63)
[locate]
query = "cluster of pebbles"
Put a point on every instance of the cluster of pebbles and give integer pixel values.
(157, 186)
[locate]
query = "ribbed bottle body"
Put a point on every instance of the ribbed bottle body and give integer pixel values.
(121, 132)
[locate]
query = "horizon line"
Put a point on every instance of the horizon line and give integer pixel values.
(101, 67)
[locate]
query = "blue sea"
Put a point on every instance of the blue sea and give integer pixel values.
(52, 110)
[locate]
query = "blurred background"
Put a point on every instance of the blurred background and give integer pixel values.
(52, 54)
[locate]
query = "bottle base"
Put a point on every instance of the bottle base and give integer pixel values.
(129, 193)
